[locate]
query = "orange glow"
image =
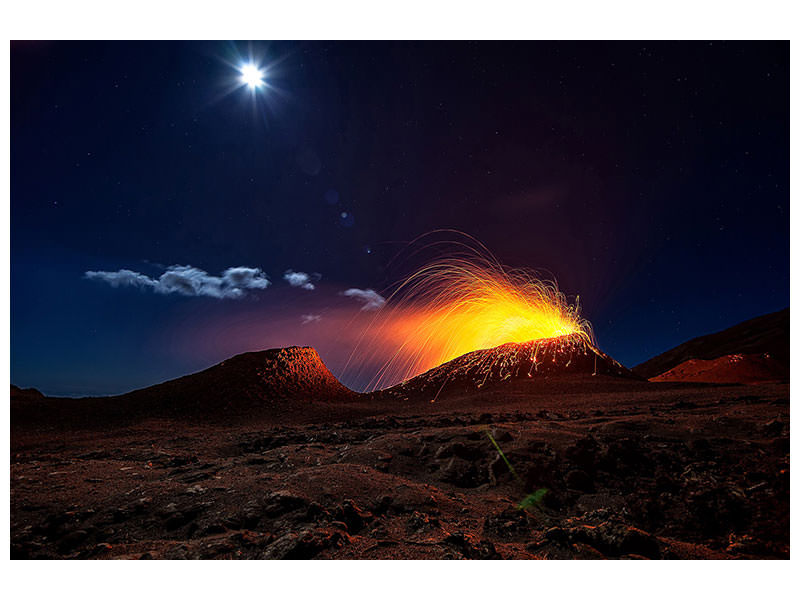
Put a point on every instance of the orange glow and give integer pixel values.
(463, 303)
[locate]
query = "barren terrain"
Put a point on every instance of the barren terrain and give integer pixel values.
(602, 468)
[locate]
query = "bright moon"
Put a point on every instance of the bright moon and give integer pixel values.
(252, 76)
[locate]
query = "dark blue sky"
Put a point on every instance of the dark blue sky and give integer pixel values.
(649, 178)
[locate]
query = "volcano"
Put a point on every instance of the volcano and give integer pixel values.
(266, 385)
(247, 381)
(538, 360)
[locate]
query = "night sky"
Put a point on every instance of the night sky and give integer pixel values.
(651, 179)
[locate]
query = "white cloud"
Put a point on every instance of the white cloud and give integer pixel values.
(189, 281)
(120, 278)
(372, 300)
(300, 279)
(306, 319)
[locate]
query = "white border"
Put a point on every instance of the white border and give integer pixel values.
(398, 19)
(411, 19)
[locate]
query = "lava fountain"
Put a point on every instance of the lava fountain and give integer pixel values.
(464, 302)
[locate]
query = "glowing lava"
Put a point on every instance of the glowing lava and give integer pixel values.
(469, 302)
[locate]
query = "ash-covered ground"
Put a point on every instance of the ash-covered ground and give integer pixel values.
(610, 469)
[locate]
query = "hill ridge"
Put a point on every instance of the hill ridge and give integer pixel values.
(533, 360)
(765, 334)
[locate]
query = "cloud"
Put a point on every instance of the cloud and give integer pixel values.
(372, 300)
(306, 319)
(300, 279)
(189, 281)
(120, 278)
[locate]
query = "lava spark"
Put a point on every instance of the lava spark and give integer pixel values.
(464, 302)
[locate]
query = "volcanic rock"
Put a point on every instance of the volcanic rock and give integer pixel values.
(767, 334)
(731, 368)
(249, 380)
(267, 456)
(543, 359)
(579, 480)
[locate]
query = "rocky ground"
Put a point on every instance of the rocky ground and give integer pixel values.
(639, 470)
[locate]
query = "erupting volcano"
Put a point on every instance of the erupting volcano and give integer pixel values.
(549, 358)
(465, 302)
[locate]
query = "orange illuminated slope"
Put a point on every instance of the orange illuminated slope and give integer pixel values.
(250, 386)
(542, 359)
(732, 368)
(767, 334)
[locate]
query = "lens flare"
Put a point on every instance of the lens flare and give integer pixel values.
(464, 302)
(252, 76)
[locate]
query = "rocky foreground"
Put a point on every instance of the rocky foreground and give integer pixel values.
(639, 470)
